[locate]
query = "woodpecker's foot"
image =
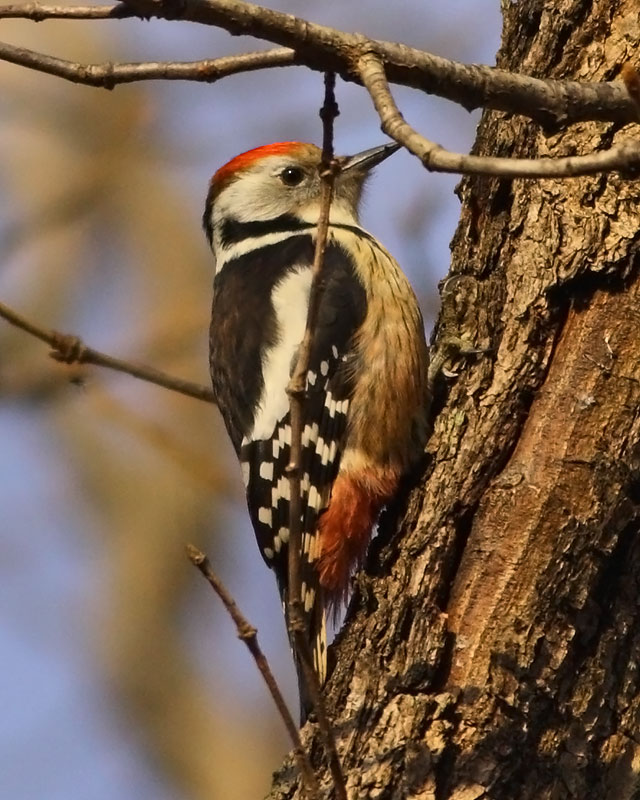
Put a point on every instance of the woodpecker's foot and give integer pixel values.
(451, 347)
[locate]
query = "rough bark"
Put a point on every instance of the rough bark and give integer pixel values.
(492, 646)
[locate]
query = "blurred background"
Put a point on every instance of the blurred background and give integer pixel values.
(121, 675)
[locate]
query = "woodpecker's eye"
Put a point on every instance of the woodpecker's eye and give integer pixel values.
(292, 176)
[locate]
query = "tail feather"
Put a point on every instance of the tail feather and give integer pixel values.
(316, 636)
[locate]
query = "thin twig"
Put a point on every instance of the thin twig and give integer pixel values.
(110, 74)
(249, 636)
(296, 390)
(624, 157)
(319, 47)
(70, 349)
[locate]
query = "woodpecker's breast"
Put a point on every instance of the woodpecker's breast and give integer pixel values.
(393, 383)
(259, 314)
(289, 304)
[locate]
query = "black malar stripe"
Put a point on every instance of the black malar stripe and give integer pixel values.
(234, 231)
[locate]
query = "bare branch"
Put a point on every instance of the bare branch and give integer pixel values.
(249, 636)
(319, 47)
(110, 74)
(624, 157)
(38, 12)
(71, 350)
(296, 390)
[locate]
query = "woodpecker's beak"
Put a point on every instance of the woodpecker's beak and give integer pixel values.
(368, 159)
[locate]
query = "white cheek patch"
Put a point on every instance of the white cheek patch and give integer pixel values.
(258, 183)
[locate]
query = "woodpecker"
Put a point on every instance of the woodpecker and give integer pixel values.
(365, 408)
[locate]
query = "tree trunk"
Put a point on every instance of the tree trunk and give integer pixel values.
(492, 648)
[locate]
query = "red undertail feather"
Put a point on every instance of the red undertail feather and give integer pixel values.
(345, 527)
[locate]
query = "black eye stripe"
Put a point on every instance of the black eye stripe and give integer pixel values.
(292, 176)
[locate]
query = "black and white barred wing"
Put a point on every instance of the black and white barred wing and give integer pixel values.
(265, 464)
(268, 495)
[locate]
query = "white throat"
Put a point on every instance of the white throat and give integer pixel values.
(341, 214)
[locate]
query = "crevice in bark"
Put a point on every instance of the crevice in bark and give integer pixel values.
(579, 290)
(502, 198)
(441, 674)
(603, 596)
(566, 31)
(576, 30)
(521, 30)
(392, 523)
(445, 771)
(463, 523)
(447, 762)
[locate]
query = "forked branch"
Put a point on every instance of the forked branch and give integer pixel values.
(624, 157)
(557, 103)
